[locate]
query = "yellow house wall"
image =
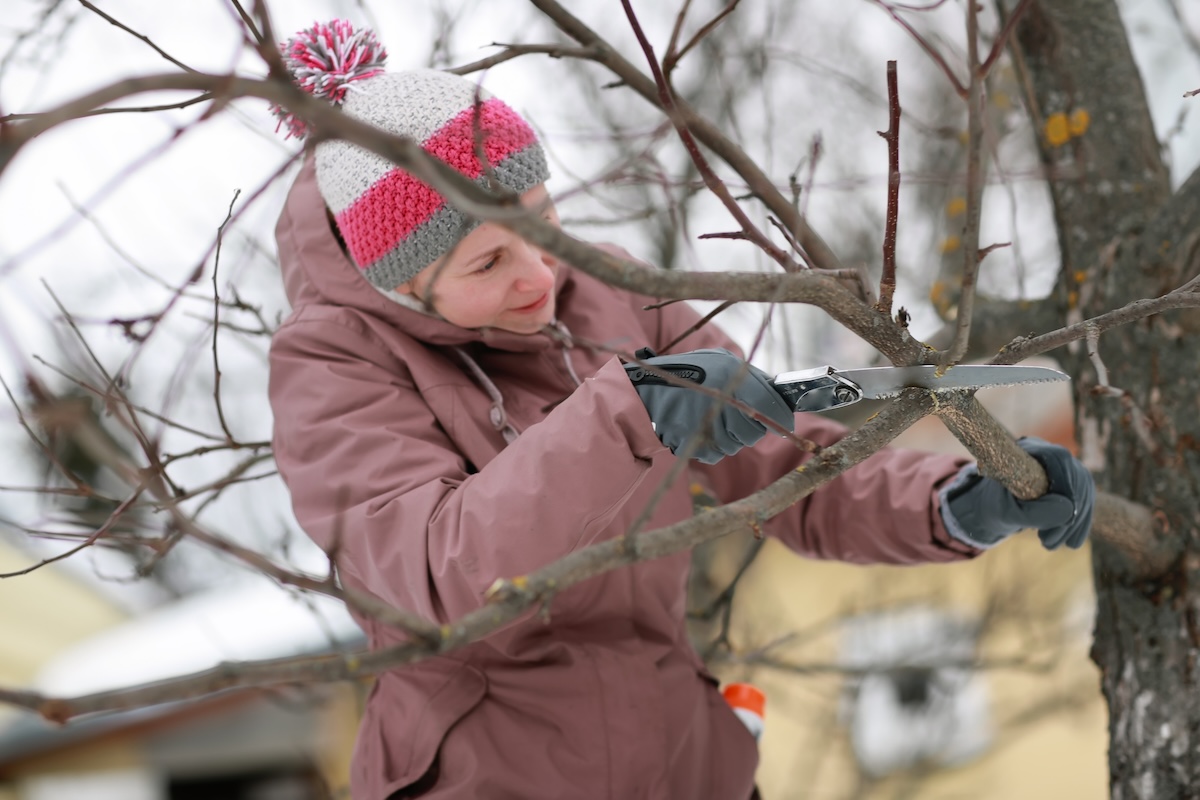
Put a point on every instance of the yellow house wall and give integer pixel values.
(41, 613)
(1048, 716)
(1047, 712)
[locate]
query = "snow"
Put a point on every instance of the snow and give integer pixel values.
(251, 620)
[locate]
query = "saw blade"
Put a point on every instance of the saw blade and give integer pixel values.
(882, 382)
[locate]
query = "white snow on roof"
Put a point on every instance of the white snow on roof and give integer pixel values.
(246, 621)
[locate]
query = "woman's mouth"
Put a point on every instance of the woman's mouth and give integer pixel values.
(534, 306)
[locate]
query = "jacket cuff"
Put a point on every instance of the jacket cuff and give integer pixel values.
(634, 418)
(965, 475)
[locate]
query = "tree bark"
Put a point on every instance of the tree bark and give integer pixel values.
(1123, 236)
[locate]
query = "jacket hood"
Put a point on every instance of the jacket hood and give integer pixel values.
(316, 272)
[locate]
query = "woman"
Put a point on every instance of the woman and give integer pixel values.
(439, 429)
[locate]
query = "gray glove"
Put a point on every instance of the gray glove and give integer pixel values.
(680, 414)
(982, 513)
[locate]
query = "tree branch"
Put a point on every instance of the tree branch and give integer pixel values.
(512, 598)
(887, 283)
(708, 134)
(1123, 526)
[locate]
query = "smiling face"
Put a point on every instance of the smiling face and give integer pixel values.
(493, 278)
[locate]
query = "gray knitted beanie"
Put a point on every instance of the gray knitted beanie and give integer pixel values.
(393, 224)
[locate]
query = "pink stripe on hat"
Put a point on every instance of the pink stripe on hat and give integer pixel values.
(398, 203)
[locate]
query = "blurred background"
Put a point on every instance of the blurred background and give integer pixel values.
(136, 251)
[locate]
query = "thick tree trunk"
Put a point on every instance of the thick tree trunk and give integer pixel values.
(1123, 236)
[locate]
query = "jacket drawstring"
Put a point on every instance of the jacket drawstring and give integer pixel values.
(498, 415)
(567, 344)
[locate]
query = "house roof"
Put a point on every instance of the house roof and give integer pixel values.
(248, 621)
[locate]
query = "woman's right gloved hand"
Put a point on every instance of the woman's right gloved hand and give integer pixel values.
(681, 414)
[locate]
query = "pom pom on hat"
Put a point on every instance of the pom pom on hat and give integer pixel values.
(393, 224)
(325, 61)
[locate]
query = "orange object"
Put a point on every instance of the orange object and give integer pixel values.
(746, 696)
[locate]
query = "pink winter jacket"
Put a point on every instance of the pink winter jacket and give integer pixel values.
(386, 441)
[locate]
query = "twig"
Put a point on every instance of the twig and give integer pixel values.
(974, 193)
(1002, 40)
(673, 43)
(217, 322)
(136, 35)
(94, 537)
(723, 603)
(248, 21)
(203, 97)
(130, 406)
(929, 49)
(152, 479)
(758, 182)
(805, 191)
(512, 51)
(672, 58)
(707, 318)
(1022, 348)
(887, 282)
(791, 240)
(715, 185)
(1138, 420)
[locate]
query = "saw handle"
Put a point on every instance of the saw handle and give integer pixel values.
(818, 389)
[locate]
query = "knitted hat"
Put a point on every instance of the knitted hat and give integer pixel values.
(394, 225)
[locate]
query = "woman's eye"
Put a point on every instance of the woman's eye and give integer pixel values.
(488, 266)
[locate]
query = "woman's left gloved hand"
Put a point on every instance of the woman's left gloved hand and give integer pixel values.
(982, 513)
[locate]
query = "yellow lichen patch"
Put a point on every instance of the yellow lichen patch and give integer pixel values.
(1057, 129)
(1080, 276)
(937, 292)
(1001, 100)
(1072, 299)
(956, 207)
(521, 583)
(940, 296)
(950, 244)
(1079, 122)
(697, 490)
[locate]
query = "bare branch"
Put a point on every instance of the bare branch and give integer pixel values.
(673, 57)
(511, 599)
(707, 133)
(1024, 347)
(974, 195)
(512, 51)
(929, 49)
(1002, 40)
(887, 283)
(1125, 526)
(136, 35)
(715, 185)
(216, 323)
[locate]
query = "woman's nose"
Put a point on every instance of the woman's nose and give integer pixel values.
(537, 271)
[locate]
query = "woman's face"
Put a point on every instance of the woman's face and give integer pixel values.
(493, 278)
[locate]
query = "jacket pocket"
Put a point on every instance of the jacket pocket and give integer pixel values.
(411, 711)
